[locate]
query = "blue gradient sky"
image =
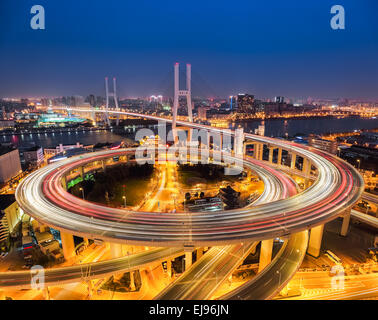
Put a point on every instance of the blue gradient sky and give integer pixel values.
(266, 48)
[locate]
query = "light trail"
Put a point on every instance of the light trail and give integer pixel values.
(337, 188)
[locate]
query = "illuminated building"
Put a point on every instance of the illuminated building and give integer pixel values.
(322, 144)
(202, 113)
(245, 103)
(9, 217)
(10, 165)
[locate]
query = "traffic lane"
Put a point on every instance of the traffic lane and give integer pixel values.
(273, 278)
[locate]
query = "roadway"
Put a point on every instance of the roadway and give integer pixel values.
(276, 186)
(276, 275)
(317, 286)
(337, 188)
(42, 196)
(203, 278)
(365, 218)
(88, 271)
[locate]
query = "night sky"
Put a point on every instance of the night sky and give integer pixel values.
(266, 48)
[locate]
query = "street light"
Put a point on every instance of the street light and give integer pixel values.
(82, 192)
(124, 201)
(359, 162)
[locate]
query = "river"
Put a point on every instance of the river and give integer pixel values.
(273, 128)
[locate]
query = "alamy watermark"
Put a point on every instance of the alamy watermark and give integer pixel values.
(37, 277)
(38, 19)
(338, 277)
(338, 20)
(200, 146)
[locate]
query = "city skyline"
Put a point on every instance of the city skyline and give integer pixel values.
(251, 49)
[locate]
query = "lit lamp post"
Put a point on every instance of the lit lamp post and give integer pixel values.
(82, 192)
(359, 162)
(124, 195)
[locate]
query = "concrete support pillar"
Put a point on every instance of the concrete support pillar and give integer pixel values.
(115, 250)
(68, 245)
(188, 259)
(345, 225)
(199, 253)
(279, 158)
(82, 172)
(258, 151)
(244, 148)
(169, 268)
(190, 135)
(207, 140)
(265, 253)
(90, 288)
(315, 241)
(239, 142)
(293, 160)
(306, 168)
(255, 151)
(261, 149)
(64, 183)
(46, 293)
(132, 281)
(271, 154)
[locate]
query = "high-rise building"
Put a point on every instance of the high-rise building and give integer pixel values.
(279, 99)
(245, 103)
(91, 100)
(233, 102)
(202, 113)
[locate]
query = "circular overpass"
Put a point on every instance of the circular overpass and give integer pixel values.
(337, 187)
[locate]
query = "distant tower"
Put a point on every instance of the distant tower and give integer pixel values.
(111, 94)
(182, 93)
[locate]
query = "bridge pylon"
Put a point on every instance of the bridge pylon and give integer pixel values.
(114, 95)
(182, 93)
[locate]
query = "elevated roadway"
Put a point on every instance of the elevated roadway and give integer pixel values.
(274, 277)
(88, 271)
(42, 196)
(203, 278)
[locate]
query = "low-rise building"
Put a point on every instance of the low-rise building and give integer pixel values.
(6, 124)
(9, 217)
(53, 151)
(329, 146)
(34, 155)
(10, 165)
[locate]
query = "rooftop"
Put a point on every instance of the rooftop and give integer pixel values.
(35, 148)
(6, 200)
(5, 149)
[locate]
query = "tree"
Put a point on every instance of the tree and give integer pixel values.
(187, 196)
